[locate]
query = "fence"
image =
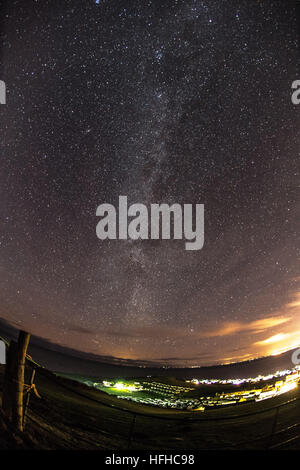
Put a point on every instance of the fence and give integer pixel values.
(84, 420)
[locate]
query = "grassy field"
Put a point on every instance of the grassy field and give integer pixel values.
(70, 415)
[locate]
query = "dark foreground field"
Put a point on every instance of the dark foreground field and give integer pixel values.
(69, 415)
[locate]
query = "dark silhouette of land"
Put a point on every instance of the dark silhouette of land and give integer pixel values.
(70, 415)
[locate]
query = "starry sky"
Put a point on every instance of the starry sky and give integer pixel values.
(162, 101)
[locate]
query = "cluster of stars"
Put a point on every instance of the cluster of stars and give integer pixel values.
(167, 101)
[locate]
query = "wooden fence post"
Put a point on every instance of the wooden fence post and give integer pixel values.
(274, 424)
(131, 431)
(17, 398)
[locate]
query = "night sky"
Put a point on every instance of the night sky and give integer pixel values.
(161, 101)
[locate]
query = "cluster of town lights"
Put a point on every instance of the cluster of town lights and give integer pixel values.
(259, 378)
(171, 396)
